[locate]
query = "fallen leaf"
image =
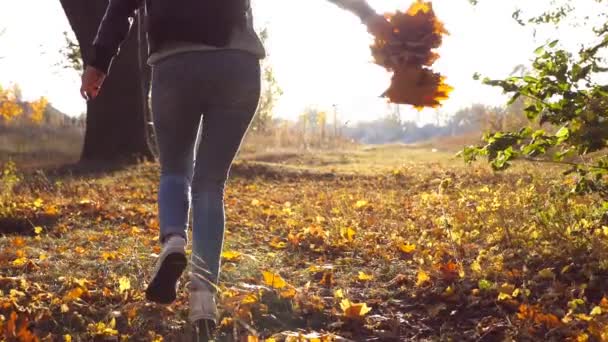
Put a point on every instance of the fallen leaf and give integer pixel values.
(124, 284)
(354, 310)
(361, 204)
(288, 293)
(365, 277)
(231, 255)
(422, 277)
(274, 280)
(407, 248)
(74, 294)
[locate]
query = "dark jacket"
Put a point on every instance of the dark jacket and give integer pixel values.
(209, 22)
(113, 30)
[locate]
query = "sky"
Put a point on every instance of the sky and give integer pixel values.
(320, 53)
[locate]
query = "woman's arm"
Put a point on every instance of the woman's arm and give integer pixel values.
(376, 24)
(360, 7)
(113, 30)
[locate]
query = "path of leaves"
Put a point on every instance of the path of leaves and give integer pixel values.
(418, 254)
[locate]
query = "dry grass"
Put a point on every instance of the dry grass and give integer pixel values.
(35, 146)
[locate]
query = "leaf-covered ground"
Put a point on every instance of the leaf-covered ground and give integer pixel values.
(376, 245)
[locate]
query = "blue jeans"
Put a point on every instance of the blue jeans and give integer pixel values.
(218, 92)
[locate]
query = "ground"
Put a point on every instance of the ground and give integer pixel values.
(388, 243)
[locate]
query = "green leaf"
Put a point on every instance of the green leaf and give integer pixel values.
(513, 99)
(532, 111)
(562, 135)
(484, 284)
(539, 50)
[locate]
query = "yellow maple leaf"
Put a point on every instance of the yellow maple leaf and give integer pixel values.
(124, 284)
(422, 277)
(361, 204)
(20, 261)
(74, 294)
(38, 230)
(407, 248)
(277, 243)
(354, 310)
(504, 296)
(476, 266)
(419, 6)
(231, 255)
(249, 299)
(108, 255)
(348, 233)
(81, 281)
(365, 277)
(274, 280)
(38, 203)
(288, 293)
(339, 293)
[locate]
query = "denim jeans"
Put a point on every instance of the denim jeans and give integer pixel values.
(218, 92)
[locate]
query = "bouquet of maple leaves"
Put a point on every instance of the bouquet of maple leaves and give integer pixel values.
(409, 55)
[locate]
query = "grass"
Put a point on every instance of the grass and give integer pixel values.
(36, 146)
(376, 244)
(368, 161)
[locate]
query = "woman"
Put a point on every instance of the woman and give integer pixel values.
(194, 83)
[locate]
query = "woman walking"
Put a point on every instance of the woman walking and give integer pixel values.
(205, 71)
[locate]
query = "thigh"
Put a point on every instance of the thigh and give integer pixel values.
(226, 119)
(176, 114)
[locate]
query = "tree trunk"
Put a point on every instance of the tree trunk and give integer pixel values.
(116, 119)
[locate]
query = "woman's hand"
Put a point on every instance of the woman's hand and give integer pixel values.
(380, 27)
(92, 79)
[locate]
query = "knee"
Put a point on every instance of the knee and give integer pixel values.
(208, 185)
(175, 179)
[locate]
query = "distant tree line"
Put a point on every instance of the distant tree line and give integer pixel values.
(477, 118)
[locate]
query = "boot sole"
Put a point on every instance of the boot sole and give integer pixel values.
(162, 288)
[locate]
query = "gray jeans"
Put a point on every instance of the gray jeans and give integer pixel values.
(217, 91)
